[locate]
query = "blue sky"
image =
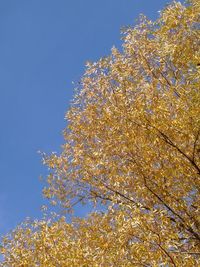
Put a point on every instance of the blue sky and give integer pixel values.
(44, 45)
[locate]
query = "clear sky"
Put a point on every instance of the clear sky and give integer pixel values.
(44, 45)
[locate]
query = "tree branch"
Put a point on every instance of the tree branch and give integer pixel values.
(171, 143)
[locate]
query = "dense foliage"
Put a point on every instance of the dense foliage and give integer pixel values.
(132, 145)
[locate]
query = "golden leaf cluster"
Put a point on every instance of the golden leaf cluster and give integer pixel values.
(132, 149)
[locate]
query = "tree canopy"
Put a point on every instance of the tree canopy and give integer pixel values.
(132, 146)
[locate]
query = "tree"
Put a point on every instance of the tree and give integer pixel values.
(132, 146)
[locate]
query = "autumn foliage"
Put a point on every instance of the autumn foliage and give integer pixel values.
(132, 149)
